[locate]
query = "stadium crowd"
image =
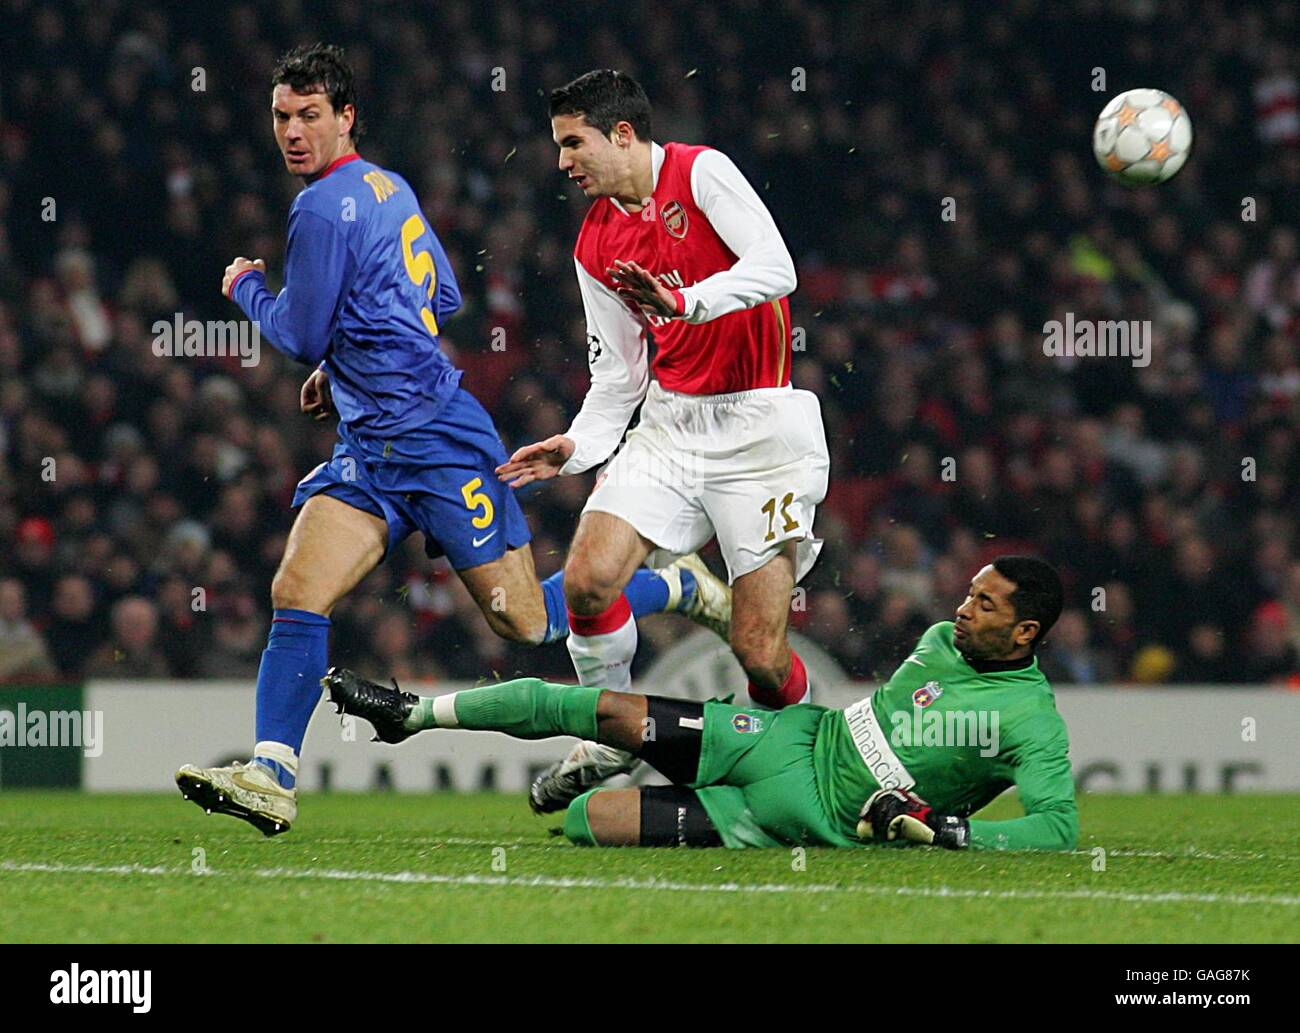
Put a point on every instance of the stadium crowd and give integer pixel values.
(930, 167)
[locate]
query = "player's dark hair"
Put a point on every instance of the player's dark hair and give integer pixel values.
(604, 97)
(320, 68)
(1038, 595)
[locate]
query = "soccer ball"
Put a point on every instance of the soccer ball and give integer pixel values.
(1142, 136)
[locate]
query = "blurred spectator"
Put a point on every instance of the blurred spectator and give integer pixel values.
(131, 650)
(23, 654)
(904, 570)
(237, 640)
(75, 629)
(832, 629)
(185, 628)
(1271, 658)
(1153, 664)
(392, 649)
(1206, 659)
(32, 561)
(893, 636)
(1071, 658)
(1291, 603)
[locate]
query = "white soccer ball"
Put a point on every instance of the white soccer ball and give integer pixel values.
(1142, 136)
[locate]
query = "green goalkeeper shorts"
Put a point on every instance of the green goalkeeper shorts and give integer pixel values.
(757, 780)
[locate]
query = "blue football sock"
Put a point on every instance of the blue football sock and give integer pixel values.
(288, 687)
(688, 590)
(557, 614)
(647, 592)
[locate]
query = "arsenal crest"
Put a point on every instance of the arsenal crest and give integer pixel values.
(674, 217)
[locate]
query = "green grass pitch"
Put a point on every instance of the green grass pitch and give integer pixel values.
(84, 868)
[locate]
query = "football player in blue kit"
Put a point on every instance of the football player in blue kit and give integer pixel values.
(367, 285)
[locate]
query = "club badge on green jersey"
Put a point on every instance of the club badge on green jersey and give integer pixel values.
(747, 723)
(927, 694)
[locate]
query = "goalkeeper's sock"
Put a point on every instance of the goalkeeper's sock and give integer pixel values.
(647, 592)
(288, 688)
(577, 826)
(527, 708)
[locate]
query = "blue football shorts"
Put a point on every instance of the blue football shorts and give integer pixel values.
(451, 494)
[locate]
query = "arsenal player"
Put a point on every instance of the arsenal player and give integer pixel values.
(677, 248)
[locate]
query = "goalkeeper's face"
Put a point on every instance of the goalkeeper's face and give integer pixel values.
(310, 133)
(986, 627)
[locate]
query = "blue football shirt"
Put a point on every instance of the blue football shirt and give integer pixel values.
(367, 286)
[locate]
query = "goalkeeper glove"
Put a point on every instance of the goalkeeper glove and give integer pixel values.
(892, 814)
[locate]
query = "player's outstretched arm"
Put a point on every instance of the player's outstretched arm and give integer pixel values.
(1051, 821)
(896, 814)
(1046, 789)
(1054, 829)
(536, 462)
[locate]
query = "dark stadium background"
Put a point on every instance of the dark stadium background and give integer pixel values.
(922, 336)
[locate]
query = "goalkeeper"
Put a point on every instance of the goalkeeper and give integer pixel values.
(965, 717)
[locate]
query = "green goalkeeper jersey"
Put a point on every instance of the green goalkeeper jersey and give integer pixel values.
(957, 737)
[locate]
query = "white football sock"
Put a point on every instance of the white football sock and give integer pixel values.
(604, 660)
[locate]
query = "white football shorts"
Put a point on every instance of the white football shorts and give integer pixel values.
(749, 467)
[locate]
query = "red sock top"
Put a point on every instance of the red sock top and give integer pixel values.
(602, 623)
(791, 691)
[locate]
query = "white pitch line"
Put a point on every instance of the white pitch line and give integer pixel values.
(1190, 854)
(437, 841)
(665, 885)
(88, 869)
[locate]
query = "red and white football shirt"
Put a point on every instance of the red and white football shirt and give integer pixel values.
(708, 237)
